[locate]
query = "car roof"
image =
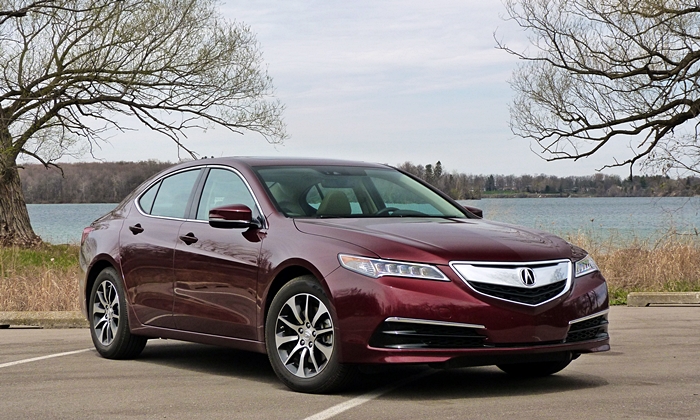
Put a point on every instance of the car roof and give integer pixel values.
(259, 161)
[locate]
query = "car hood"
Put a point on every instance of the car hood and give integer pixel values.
(439, 241)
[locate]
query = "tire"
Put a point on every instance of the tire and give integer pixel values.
(534, 370)
(109, 323)
(302, 339)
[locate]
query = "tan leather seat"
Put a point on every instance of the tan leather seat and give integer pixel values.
(335, 203)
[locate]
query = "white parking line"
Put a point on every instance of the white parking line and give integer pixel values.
(36, 359)
(347, 405)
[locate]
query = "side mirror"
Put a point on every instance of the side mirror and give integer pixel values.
(475, 211)
(232, 216)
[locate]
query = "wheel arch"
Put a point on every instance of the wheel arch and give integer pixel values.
(290, 272)
(97, 266)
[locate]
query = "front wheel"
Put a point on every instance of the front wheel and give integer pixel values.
(109, 325)
(534, 370)
(301, 338)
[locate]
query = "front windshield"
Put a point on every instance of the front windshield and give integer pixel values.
(342, 191)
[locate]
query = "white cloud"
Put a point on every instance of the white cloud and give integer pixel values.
(385, 81)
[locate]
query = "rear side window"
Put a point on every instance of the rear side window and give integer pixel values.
(146, 200)
(172, 196)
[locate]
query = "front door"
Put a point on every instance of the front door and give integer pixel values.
(216, 269)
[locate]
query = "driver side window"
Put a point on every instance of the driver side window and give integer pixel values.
(221, 188)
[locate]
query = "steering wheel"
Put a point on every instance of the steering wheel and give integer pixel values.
(385, 211)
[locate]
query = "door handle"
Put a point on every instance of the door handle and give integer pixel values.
(136, 229)
(189, 238)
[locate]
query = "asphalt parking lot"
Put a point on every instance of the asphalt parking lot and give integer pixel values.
(652, 372)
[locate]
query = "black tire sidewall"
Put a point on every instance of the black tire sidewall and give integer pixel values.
(332, 375)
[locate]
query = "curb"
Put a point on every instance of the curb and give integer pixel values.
(54, 319)
(663, 298)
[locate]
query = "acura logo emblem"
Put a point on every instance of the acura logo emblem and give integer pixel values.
(527, 276)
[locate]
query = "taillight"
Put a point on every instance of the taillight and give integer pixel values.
(86, 232)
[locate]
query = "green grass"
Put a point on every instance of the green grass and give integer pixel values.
(618, 296)
(47, 255)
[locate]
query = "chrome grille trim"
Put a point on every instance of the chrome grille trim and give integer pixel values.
(506, 275)
(586, 318)
(430, 322)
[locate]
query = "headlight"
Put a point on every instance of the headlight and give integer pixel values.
(585, 265)
(377, 268)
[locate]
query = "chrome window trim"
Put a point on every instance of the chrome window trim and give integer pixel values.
(229, 168)
(163, 217)
(586, 318)
(567, 287)
(155, 181)
(431, 322)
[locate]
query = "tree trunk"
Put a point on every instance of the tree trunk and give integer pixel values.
(15, 228)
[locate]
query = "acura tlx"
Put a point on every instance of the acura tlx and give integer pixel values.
(329, 265)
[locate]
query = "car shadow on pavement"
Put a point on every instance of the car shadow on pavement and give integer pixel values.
(209, 359)
(477, 382)
(487, 382)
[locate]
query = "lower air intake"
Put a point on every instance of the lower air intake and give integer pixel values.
(589, 329)
(405, 335)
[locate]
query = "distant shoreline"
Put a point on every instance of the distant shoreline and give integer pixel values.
(495, 196)
(110, 182)
(536, 195)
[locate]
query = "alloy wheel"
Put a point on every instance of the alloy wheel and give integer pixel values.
(105, 313)
(304, 335)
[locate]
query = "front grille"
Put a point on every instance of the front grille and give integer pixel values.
(589, 329)
(400, 335)
(528, 296)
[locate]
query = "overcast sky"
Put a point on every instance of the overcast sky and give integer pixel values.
(382, 81)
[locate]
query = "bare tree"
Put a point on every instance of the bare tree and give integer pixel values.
(599, 72)
(73, 71)
(15, 10)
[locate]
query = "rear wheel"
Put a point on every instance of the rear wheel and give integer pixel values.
(301, 338)
(109, 325)
(534, 370)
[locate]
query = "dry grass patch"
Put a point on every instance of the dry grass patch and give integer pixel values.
(670, 263)
(46, 279)
(40, 279)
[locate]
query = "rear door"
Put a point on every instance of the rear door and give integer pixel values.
(148, 240)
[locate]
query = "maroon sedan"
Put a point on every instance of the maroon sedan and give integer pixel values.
(326, 265)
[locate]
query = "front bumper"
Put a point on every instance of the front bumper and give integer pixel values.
(485, 330)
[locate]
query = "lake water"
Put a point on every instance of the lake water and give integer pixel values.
(64, 223)
(601, 217)
(624, 218)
